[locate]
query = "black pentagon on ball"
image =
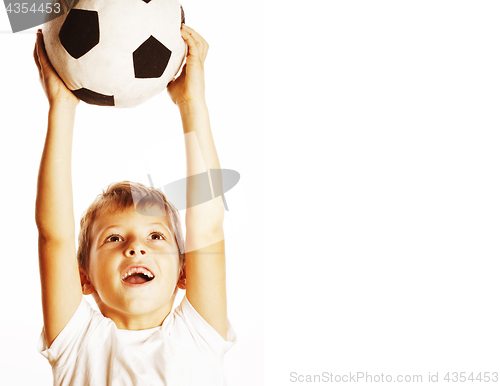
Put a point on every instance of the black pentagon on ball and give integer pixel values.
(94, 98)
(146, 1)
(80, 32)
(151, 59)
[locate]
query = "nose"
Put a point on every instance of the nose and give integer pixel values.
(135, 249)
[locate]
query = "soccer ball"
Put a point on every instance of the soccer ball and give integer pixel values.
(117, 52)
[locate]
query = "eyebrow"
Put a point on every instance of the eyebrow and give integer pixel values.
(162, 225)
(104, 231)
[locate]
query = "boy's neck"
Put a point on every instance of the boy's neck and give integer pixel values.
(124, 321)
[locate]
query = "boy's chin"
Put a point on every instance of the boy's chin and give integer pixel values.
(136, 307)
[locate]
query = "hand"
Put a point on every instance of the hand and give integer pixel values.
(55, 89)
(189, 86)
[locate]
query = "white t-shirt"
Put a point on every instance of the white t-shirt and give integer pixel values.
(184, 351)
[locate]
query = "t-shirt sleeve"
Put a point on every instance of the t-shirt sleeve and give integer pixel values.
(65, 347)
(205, 330)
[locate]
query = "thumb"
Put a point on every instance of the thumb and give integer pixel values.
(179, 78)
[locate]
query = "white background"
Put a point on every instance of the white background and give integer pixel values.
(363, 235)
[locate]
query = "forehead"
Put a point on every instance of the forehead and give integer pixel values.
(129, 218)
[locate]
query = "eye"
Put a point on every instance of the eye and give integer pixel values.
(114, 238)
(157, 236)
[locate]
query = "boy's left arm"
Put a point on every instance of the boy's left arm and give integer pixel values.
(205, 254)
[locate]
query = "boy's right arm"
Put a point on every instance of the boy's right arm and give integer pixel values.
(59, 274)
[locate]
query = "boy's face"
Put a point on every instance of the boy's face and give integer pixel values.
(133, 267)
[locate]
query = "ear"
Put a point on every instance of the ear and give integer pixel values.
(87, 287)
(181, 283)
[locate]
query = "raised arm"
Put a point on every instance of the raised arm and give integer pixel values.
(205, 255)
(59, 276)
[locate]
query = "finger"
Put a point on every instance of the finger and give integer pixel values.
(35, 53)
(203, 46)
(35, 57)
(182, 74)
(195, 42)
(191, 42)
(196, 36)
(202, 43)
(188, 28)
(188, 33)
(42, 54)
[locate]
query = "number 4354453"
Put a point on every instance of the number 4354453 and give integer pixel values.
(32, 7)
(471, 377)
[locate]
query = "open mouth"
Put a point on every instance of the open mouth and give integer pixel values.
(137, 275)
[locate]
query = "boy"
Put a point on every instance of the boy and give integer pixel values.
(131, 258)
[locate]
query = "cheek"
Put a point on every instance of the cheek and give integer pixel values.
(170, 269)
(91, 269)
(100, 270)
(94, 277)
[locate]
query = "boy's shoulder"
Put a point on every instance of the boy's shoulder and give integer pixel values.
(89, 334)
(92, 346)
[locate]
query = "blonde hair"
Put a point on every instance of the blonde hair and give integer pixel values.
(120, 196)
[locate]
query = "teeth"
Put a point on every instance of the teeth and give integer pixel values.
(138, 270)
